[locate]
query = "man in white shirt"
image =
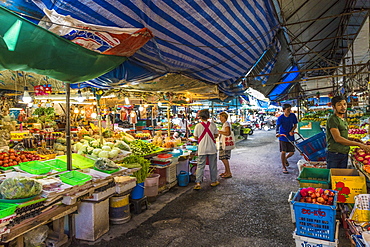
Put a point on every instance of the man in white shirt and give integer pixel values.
(206, 133)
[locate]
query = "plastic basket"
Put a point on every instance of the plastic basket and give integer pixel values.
(55, 164)
(7, 168)
(107, 171)
(7, 209)
(308, 242)
(314, 177)
(78, 161)
(74, 178)
(34, 167)
(318, 156)
(358, 240)
(314, 144)
(192, 148)
(315, 220)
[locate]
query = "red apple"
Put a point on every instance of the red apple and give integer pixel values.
(361, 154)
(367, 156)
(365, 162)
(360, 159)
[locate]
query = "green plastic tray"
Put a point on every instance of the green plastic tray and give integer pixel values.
(56, 164)
(74, 178)
(8, 167)
(34, 167)
(105, 171)
(17, 200)
(78, 161)
(7, 209)
(314, 177)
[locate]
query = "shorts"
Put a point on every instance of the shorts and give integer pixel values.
(224, 154)
(286, 147)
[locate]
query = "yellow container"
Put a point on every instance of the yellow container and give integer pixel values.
(348, 183)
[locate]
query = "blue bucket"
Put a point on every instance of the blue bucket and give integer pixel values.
(138, 191)
(183, 178)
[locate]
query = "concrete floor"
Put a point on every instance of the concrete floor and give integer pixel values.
(249, 209)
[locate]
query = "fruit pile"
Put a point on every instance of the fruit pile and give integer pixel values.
(13, 158)
(357, 133)
(317, 196)
(361, 156)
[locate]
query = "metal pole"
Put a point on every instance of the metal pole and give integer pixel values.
(168, 121)
(68, 126)
(99, 120)
(152, 122)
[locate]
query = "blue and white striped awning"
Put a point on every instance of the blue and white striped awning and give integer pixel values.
(214, 41)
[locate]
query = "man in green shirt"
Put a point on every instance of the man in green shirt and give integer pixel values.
(337, 136)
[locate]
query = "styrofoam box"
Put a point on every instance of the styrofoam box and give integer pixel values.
(301, 241)
(124, 187)
(171, 173)
(97, 196)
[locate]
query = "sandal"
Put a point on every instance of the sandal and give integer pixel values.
(285, 171)
(287, 164)
(215, 184)
(227, 176)
(222, 174)
(197, 187)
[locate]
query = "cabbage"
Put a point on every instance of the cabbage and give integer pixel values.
(106, 148)
(96, 151)
(116, 148)
(104, 154)
(113, 153)
(78, 146)
(95, 144)
(110, 144)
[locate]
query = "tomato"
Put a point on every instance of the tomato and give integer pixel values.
(15, 163)
(1, 163)
(11, 150)
(22, 157)
(10, 160)
(6, 155)
(12, 157)
(18, 159)
(1, 157)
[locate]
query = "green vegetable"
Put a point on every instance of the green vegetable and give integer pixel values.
(20, 187)
(105, 164)
(106, 148)
(122, 145)
(145, 170)
(104, 154)
(139, 147)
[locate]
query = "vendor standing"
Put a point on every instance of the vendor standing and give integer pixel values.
(338, 142)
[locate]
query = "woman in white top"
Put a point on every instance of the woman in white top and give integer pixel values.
(224, 155)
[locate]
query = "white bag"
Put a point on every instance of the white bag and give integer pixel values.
(228, 142)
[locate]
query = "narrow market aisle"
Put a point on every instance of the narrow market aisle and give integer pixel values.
(249, 209)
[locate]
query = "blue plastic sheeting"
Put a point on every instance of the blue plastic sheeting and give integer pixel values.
(282, 88)
(263, 104)
(215, 41)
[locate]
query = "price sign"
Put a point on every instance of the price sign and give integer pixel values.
(17, 135)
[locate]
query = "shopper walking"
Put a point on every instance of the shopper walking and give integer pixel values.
(224, 155)
(206, 133)
(285, 127)
(337, 138)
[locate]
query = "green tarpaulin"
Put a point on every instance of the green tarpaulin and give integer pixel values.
(27, 47)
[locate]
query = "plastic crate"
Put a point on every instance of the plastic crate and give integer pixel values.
(314, 177)
(74, 178)
(312, 242)
(315, 220)
(7, 209)
(171, 173)
(56, 164)
(313, 145)
(107, 171)
(34, 167)
(358, 240)
(290, 198)
(78, 161)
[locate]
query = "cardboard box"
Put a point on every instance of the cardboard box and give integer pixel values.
(348, 183)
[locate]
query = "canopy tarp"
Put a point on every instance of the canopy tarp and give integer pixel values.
(27, 47)
(213, 41)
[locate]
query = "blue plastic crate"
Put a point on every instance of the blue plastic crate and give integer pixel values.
(314, 144)
(315, 220)
(358, 240)
(318, 156)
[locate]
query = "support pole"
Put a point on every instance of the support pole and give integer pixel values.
(68, 127)
(152, 121)
(168, 121)
(98, 111)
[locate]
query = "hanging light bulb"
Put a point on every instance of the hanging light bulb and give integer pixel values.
(26, 96)
(93, 115)
(159, 103)
(146, 106)
(76, 110)
(127, 101)
(141, 108)
(187, 99)
(80, 98)
(83, 111)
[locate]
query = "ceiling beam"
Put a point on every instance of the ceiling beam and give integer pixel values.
(313, 52)
(314, 40)
(305, 70)
(298, 9)
(326, 17)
